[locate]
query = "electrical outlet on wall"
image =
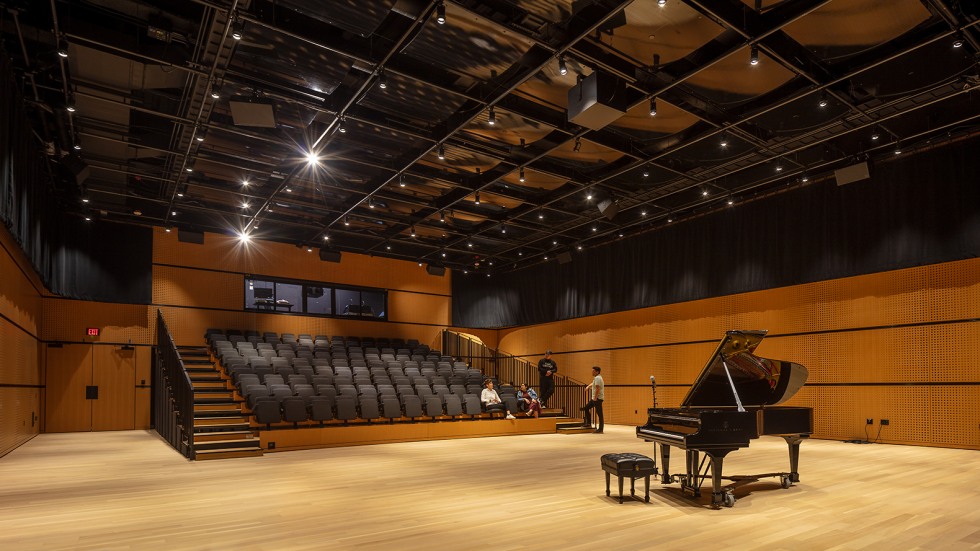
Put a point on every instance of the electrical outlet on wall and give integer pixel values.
(870, 421)
(884, 422)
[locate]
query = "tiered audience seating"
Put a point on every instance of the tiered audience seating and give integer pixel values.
(292, 380)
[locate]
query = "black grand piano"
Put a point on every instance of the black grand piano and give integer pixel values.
(733, 400)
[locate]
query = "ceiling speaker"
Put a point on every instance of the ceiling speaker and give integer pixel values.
(190, 236)
(597, 100)
(327, 255)
(564, 257)
(608, 208)
(436, 270)
(853, 173)
(252, 113)
(78, 168)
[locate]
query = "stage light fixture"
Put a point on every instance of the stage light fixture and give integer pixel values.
(477, 198)
(62, 48)
(562, 67)
(521, 177)
(824, 102)
(653, 107)
(441, 13)
(401, 180)
(754, 55)
(491, 117)
(442, 152)
(236, 29)
(382, 80)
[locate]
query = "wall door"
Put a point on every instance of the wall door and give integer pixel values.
(90, 387)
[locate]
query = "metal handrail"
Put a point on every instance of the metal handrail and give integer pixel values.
(569, 393)
(173, 394)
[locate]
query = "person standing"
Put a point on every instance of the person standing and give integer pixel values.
(598, 388)
(547, 369)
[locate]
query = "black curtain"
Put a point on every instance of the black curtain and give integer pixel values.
(74, 258)
(919, 210)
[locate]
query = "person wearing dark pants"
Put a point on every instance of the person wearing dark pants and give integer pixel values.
(547, 369)
(598, 388)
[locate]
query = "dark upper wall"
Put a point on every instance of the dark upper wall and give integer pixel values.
(915, 210)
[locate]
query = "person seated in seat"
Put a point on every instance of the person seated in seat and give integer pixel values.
(529, 399)
(491, 400)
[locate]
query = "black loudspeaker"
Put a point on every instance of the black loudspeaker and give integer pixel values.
(78, 168)
(327, 255)
(190, 236)
(608, 208)
(597, 100)
(564, 257)
(436, 270)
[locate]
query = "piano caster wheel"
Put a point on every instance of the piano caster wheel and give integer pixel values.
(729, 499)
(786, 482)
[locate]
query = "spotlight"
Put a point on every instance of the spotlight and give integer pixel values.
(382, 80)
(578, 145)
(661, 3)
(340, 126)
(779, 166)
(85, 199)
(898, 149)
(442, 216)
(804, 178)
(387, 247)
(562, 67)
(77, 146)
(521, 177)
(957, 42)
(326, 237)
(441, 13)
(420, 263)
(312, 158)
(643, 213)
(215, 91)
(491, 117)
(670, 218)
(309, 249)
(88, 218)
(653, 107)
(579, 247)
(167, 229)
(70, 104)
(442, 152)
(704, 193)
(370, 203)
(503, 229)
(754, 56)
(244, 237)
(875, 134)
(199, 134)
(173, 213)
(477, 198)
(470, 245)
(724, 140)
(245, 182)
(413, 231)
(540, 216)
(236, 29)
(594, 229)
(823, 100)
(444, 255)
(588, 195)
(189, 169)
(646, 173)
(63, 48)
(347, 220)
(731, 201)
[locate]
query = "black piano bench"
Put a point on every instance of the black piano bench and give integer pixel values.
(632, 465)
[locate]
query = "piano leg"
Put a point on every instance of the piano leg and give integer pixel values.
(689, 484)
(717, 496)
(794, 455)
(665, 458)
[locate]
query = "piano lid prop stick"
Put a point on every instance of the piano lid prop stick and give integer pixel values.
(653, 387)
(728, 374)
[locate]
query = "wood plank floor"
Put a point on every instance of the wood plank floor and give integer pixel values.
(129, 490)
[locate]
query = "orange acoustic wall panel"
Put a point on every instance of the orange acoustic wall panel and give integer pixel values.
(21, 386)
(898, 345)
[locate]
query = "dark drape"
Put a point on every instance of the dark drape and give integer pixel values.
(919, 210)
(74, 258)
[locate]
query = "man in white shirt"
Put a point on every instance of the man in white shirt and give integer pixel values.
(491, 400)
(598, 388)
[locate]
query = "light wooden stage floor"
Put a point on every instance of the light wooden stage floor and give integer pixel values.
(129, 490)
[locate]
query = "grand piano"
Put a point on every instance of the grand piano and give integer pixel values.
(733, 400)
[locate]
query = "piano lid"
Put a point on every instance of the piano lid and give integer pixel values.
(759, 381)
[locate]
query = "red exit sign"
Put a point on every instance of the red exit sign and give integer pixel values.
(93, 331)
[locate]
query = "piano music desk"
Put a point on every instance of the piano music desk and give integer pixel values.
(632, 465)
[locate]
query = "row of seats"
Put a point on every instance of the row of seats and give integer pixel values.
(296, 409)
(318, 340)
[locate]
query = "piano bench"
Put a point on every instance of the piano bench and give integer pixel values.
(631, 465)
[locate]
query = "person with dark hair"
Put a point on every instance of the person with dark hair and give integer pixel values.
(547, 369)
(529, 398)
(598, 388)
(491, 400)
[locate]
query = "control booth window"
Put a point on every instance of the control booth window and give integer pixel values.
(311, 298)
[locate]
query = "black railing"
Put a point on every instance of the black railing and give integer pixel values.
(569, 394)
(173, 394)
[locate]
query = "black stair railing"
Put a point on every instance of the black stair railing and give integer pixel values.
(569, 393)
(173, 394)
